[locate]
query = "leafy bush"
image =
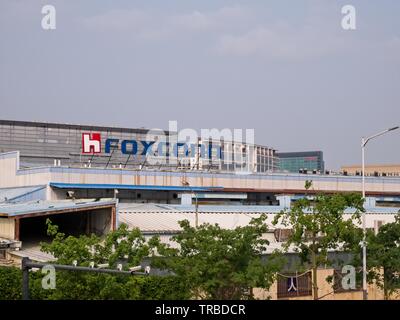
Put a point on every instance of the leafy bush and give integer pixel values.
(10, 283)
(88, 286)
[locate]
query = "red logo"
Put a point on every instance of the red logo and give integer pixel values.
(91, 143)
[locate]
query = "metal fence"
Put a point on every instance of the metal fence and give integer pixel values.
(27, 264)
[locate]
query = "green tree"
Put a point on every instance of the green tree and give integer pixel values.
(123, 244)
(383, 257)
(217, 263)
(318, 225)
(89, 286)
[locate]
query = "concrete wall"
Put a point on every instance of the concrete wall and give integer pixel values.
(266, 182)
(7, 228)
(11, 177)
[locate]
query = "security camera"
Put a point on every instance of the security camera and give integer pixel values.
(70, 194)
(116, 193)
(147, 270)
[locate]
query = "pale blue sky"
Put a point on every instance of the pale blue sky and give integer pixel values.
(285, 68)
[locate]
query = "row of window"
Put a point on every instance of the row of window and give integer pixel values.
(292, 285)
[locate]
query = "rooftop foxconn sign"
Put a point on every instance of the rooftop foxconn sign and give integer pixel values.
(224, 145)
(91, 144)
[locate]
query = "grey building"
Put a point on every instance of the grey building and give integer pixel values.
(42, 143)
(74, 145)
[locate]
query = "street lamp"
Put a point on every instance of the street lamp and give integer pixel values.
(364, 142)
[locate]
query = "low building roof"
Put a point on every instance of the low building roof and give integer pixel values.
(49, 207)
(33, 252)
(164, 218)
(12, 194)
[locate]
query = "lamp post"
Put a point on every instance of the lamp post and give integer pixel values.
(364, 142)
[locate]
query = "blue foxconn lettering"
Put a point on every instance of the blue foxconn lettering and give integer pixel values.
(223, 309)
(131, 147)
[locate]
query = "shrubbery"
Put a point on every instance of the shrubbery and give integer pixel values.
(10, 283)
(88, 286)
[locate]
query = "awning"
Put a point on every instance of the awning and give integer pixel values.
(131, 187)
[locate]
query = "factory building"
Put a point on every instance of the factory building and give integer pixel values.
(111, 147)
(90, 179)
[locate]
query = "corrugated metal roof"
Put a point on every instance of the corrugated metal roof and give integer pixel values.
(165, 222)
(10, 210)
(10, 194)
(272, 209)
(154, 218)
(201, 208)
(165, 218)
(146, 207)
(162, 220)
(273, 244)
(231, 208)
